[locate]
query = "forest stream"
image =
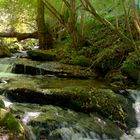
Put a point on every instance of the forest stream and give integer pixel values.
(50, 122)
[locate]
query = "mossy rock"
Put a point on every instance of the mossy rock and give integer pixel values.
(110, 58)
(80, 60)
(56, 127)
(116, 79)
(131, 66)
(2, 105)
(27, 66)
(115, 76)
(104, 101)
(11, 127)
(53, 120)
(9, 122)
(42, 55)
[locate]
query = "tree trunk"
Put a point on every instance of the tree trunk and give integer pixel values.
(41, 26)
(88, 6)
(72, 25)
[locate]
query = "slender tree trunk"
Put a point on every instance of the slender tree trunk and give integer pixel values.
(136, 14)
(88, 6)
(45, 38)
(116, 14)
(128, 22)
(72, 25)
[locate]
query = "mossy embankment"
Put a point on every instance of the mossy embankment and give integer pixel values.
(104, 52)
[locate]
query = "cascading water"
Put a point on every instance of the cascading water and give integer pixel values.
(54, 123)
(6, 65)
(135, 132)
(50, 122)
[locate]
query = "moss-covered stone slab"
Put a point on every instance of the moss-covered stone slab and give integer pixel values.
(26, 66)
(41, 55)
(104, 101)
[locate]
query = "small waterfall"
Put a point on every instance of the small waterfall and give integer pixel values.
(135, 132)
(71, 134)
(26, 119)
(6, 65)
(7, 103)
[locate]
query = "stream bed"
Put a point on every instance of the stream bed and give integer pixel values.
(49, 122)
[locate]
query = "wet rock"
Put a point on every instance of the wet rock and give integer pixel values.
(110, 58)
(57, 123)
(104, 101)
(41, 55)
(131, 67)
(26, 66)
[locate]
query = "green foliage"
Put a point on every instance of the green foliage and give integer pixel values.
(111, 58)
(18, 15)
(105, 60)
(115, 76)
(4, 51)
(2, 105)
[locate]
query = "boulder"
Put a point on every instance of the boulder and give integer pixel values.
(41, 55)
(104, 101)
(11, 127)
(110, 58)
(131, 67)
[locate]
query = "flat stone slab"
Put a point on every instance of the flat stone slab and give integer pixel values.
(27, 66)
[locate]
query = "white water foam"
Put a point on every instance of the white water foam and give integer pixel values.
(28, 116)
(135, 132)
(7, 103)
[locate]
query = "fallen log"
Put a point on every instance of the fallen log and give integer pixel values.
(19, 36)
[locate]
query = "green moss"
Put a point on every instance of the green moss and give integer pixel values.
(111, 58)
(9, 122)
(115, 76)
(47, 55)
(131, 66)
(81, 60)
(2, 105)
(106, 60)
(104, 101)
